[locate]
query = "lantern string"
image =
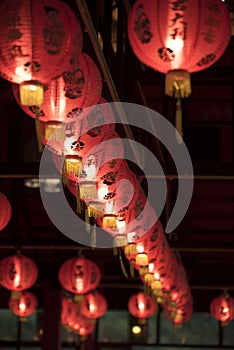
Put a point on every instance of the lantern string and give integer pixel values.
(38, 129)
(178, 120)
(122, 264)
(131, 267)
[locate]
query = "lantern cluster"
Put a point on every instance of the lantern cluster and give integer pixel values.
(161, 272)
(81, 276)
(222, 308)
(18, 273)
(81, 318)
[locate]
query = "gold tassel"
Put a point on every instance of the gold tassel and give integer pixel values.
(132, 270)
(78, 200)
(115, 251)
(38, 130)
(177, 83)
(87, 220)
(122, 264)
(55, 131)
(178, 120)
(94, 237)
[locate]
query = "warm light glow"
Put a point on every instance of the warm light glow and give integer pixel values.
(79, 284)
(121, 224)
(17, 280)
(109, 207)
(54, 106)
(157, 276)
(225, 310)
(22, 306)
(136, 329)
(151, 267)
(102, 192)
(20, 71)
(140, 248)
(91, 307)
(141, 306)
(175, 45)
(68, 144)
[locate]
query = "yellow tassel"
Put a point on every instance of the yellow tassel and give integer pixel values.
(131, 267)
(177, 83)
(178, 120)
(87, 220)
(55, 131)
(78, 200)
(122, 264)
(38, 130)
(94, 237)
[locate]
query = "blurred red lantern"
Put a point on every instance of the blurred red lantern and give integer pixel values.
(25, 305)
(18, 272)
(222, 308)
(5, 211)
(94, 305)
(68, 95)
(36, 44)
(141, 305)
(82, 326)
(79, 275)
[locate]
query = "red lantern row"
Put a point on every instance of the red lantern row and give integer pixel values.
(5, 211)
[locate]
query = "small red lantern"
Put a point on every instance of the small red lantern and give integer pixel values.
(18, 272)
(79, 275)
(36, 44)
(25, 305)
(5, 211)
(222, 308)
(94, 305)
(82, 326)
(141, 305)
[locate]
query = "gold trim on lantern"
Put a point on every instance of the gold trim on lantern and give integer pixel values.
(31, 93)
(177, 83)
(88, 189)
(142, 259)
(130, 249)
(72, 165)
(109, 221)
(55, 131)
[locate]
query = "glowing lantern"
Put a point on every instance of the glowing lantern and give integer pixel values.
(178, 38)
(68, 95)
(25, 305)
(79, 275)
(82, 326)
(222, 308)
(94, 305)
(36, 44)
(5, 211)
(17, 273)
(142, 306)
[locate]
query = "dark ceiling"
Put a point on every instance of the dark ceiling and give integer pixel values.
(204, 241)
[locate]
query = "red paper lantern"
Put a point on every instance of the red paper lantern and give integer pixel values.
(82, 326)
(25, 305)
(79, 275)
(5, 211)
(189, 35)
(69, 94)
(222, 308)
(18, 272)
(141, 305)
(39, 40)
(94, 305)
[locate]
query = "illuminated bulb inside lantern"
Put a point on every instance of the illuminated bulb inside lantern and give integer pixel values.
(156, 275)
(102, 192)
(17, 280)
(79, 284)
(225, 310)
(91, 307)
(109, 207)
(22, 307)
(175, 45)
(141, 306)
(140, 248)
(31, 93)
(151, 267)
(142, 259)
(69, 141)
(121, 224)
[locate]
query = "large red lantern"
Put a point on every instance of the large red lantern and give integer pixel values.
(17, 273)
(94, 305)
(25, 305)
(178, 38)
(79, 275)
(141, 305)
(68, 95)
(5, 211)
(39, 39)
(222, 308)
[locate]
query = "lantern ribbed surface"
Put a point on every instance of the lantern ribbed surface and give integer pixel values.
(37, 39)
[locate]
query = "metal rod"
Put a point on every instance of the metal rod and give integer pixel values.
(84, 12)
